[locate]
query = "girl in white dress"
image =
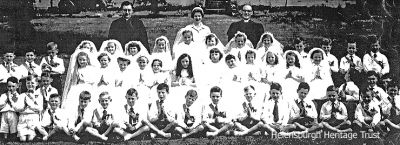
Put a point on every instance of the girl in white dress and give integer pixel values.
(251, 69)
(211, 41)
(273, 67)
(319, 76)
(268, 42)
(183, 75)
(214, 68)
(162, 51)
(292, 74)
(106, 73)
(184, 44)
(135, 49)
(159, 76)
(114, 50)
(238, 47)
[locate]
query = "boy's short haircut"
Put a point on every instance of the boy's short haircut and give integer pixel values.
(51, 46)
(216, 89)
(229, 57)
(102, 55)
(191, 93)
(350, 39)
(304, 85)
(298, 40)
(31, 50)
(326, 41)
(124, 60)
(55, 96)
(31, 78)
(332, 88)
(132, 91)
(393, 84)
(249, 52)
(163, 86)
(46, 74)
(247, 88)
(276, 86)
(105, 93)
(85, 95)
(372, 73)
(155, 60)
(12, 79)
(373, 39)
(142, 58)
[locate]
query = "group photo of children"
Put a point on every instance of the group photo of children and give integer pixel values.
(197, 87)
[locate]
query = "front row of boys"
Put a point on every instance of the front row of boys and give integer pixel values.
(161, 119)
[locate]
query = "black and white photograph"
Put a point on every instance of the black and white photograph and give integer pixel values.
(215, 72)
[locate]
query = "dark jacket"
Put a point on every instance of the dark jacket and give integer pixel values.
(252, 29)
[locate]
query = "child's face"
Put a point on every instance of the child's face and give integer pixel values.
(185, 62)
(250, 58)
(351, 48)
(393, 91)
(231, 63)
(275, 94)
(372, 80)
(375, 47)
(83, 103)
(270, 58)
(290, 59)
(368, 96)
(267, 40)
(53, 52)
(162, 94)
(240, 41)
(215, 97)
(161, 45)
(190, 100)
(215, 57)
(104, 61)
(302, 93)
(105, 101)
(122, 65)
(133, 50)
(46, 81)
(211, 42)
(9, 57)
(111, 47)
(83, 61)
(142, 64)
(31, 85)
(30, 56)
(299, 47)
(187, 37)
(12, 87)
(332, 95)
(317, 57)
(54, 103)
(249, 94)
(326, 48)
(156, 67)
(131, 99)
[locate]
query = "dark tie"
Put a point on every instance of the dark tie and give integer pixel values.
(187, 114)
(8, 67)
(51, 113)
(275, 112)
(82, 111)
(104, 115)
(375, 55)
(393, 111)
(131, 113)
(333, 110)
(351, 58)
(162, 113)
(302, 108)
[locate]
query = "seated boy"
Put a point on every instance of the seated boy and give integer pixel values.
(52, 62)
(160, 117)
(189, 115)
(53, 118)
(103, 118)
(375, 60)
(392, 112)
(80, 117)
(334, 113)
(33, 106)
(379, 96)
(132, 123)
(10, 104)
(367, 114)
(248, 120)
(303, 114)
(216, 119)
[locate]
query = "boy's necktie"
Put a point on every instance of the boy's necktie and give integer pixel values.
(104, 115)
(393, 110)
(131, 113)
(80, 117)
(333, 110)
(51, 113)
(275, 111)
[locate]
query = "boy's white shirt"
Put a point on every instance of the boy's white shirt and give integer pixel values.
(195, 110)
(381, 94)
(36, 69)
(208, 113)
(152, 114)
(73, 115)
(309, 106)
(326, 110)
(360, 114)
(345, 64)
(371, 65)
(59, 113)
(352, 89)
(256, 113)
(332, 59)
(18, 72)
(46, 92)
(59, 69)
(283, 111)
(98, 114)
(386, 106)
(16, 106)
(139, 109)
(36, 104)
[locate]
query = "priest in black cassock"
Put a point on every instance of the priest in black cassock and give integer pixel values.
(128, 28)
(252, 29)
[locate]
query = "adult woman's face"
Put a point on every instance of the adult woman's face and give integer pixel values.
(197, 17)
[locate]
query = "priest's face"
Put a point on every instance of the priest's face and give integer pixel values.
(127, 11)
(247, 11)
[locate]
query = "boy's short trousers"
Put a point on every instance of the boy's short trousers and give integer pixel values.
(27, 124)
(249, 122)
(334, 122)
(395, 119)
(306, 121)
(9, 121)
(102, 128)
(161, 124)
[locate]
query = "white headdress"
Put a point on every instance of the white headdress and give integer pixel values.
(166, 56)
(143, 51)
(232, 43)
(179, 36)
(118, 47)
(324, 61)
(275, 46)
